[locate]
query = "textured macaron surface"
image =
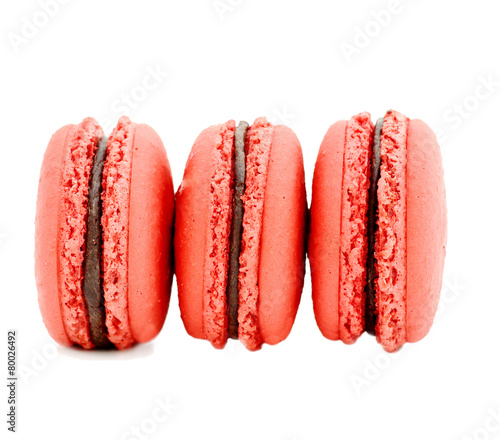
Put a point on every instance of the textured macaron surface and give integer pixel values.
(79, 153)
(353, 239)
(217, 237)
(115, 214)
(390, 238)
(258, 151)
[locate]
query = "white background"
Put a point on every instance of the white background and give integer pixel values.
(285, 60)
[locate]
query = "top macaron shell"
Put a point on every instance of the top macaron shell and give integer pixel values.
(151, 218)
(282, 258)
(425, 230)
(146, 267)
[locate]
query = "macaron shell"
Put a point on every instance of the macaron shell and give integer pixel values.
(115, 231)
(192, 217)
(46, 233)
(69, 183)
(353, 231)
(258, 145)
(426, 228)
(217, 232)
(150, 261)
(390, 237)
(282, 259)
(324, 238)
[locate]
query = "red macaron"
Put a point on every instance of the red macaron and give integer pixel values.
(378, 230)
(240, 234)
(103, 235)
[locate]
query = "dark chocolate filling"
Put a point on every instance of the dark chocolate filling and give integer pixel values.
(92, 281)
(370, 308)
(236, 229)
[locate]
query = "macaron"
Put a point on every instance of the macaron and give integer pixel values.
(240, 234)
(103, 235)
(378, 230)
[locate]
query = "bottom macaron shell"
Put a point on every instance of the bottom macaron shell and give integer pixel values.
(150, 260)
(426, 228)
(282, 259)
